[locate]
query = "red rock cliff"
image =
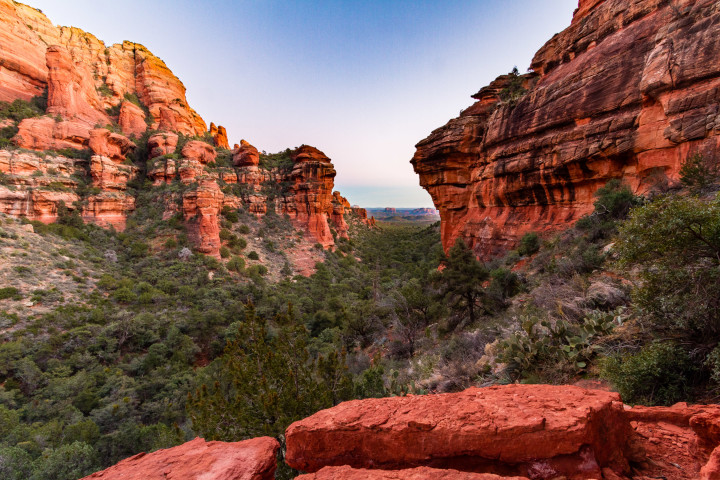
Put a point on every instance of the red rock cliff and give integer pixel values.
(92, 76)
(628, 91)
(128, 89)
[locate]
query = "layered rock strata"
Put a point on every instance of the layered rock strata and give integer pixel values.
(514, 431)
(83, 75)
(628, 91)
(102, 100)
(506, 430)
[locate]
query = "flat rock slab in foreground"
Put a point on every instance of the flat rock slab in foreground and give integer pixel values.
(419, 473)
(511, 429)
(197, 460)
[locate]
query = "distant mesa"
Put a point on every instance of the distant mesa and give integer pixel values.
(402, 215)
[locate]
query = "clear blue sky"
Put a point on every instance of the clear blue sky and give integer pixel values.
(362, 80)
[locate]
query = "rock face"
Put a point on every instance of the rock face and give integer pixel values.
(219, 136)
(515, 429)
(132, 119)
(248, 460)
(94, 92)
(537, 432)
(201, 208)
(311, 199)
(628, 91)
(84, 76)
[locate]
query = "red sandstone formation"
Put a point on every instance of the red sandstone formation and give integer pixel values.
(195, 155)
(109, 208)
(340, 206)
(77, 64)
(248, 460)
(201, 208)
(132, 119)
(419, 473)
(515, 429)
(539, 432)
(245, 155)
(32, 185)
(71, 92)
(199, 151)
(219, 136)
(85, 79)
(628, 91)
(510, 432)
(46, 133)
(108, 144)
(162, 144)
(311, 197)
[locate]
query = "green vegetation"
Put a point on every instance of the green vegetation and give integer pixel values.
(113, 372)
(19, 110)
(529, 244)
(515, 90)
(160, 344)
(281, 161)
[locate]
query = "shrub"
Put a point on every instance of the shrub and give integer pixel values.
(236, 264)
(659, 374)
(614, 202)
(698, 173)
(529, 244)
(224, 252)
(10, 292)
(253, 255)
(68, 462)
(515, 89)
(15, 464)
(675, 242)
(244, 229)
(19, 110)
(230, 214)
(124, 295)
(256, 270)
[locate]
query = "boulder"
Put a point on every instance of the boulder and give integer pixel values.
(521, 428)
(246, 155)
(109, 144)
(250, 459)
(199, 152)
(162, 144)
(711, 470)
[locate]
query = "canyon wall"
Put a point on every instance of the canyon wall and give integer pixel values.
(629, 90)
(105, 105)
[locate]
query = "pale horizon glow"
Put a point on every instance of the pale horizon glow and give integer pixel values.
(363, 81)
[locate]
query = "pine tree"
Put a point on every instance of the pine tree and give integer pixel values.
(461, 280)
